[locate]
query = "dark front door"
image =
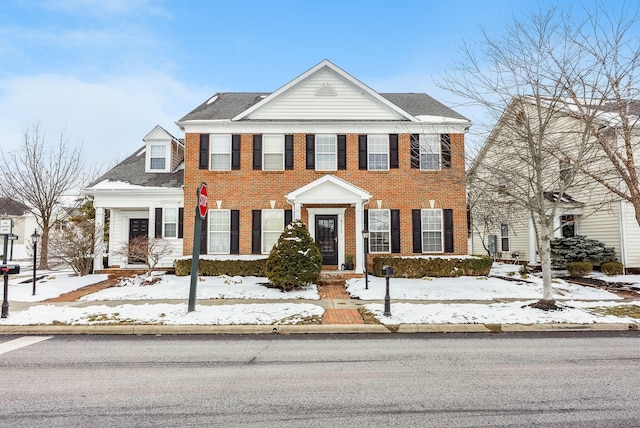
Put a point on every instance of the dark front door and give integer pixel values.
(138, 227)
(327, 238)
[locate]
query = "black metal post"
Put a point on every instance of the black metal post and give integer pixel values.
(35, 252)
(365, 235)
(387, 300)
(5, 300)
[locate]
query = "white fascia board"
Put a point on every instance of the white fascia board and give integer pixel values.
(328, 127)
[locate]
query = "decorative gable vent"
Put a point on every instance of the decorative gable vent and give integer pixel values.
(326, 91)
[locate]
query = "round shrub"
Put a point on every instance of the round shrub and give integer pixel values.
(295, 261)
(612, 268)
(579, 269)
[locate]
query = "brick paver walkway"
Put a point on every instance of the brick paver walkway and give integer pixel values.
(74, 295)
(336, 290)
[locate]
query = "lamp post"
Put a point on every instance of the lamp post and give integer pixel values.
(34, 241)
(365, 236)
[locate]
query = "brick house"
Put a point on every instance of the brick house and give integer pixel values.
(330, 151)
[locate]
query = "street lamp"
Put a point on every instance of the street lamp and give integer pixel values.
(34, 241)
(365, 236)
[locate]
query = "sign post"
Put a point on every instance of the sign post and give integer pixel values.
(201, 213)
(6, 224)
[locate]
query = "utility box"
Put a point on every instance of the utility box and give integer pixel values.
(493, 246)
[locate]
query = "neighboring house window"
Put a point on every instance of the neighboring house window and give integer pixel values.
(378, 152)
(326, 152)
(220, 152)
(157, 157)
(379, 231)
(219, 231)
(429, 152)
(501, 185)
(504, 236)
(566, 171)
(272, 226)
(273, 152)
(568, 226)
(170, 223)
(431, 230)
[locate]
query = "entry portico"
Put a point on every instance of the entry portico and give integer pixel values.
(331, 196)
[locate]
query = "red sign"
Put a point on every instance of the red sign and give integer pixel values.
(203, 200)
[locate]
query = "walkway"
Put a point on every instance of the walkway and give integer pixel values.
(331, 287)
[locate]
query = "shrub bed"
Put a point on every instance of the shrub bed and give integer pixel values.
(418, 267)
(579, 269)
(612, 268)
(223, 267)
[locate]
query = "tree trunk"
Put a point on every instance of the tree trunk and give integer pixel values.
(44, 247)
(547, 302)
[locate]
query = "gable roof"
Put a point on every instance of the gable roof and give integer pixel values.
(10, 207)
(236, 106)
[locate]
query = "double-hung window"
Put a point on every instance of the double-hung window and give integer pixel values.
(157, 157)
(429, 152)
(431, 230)
(220, 152)
(378, 151)
(219, 231)
(273, 152)
(568, 225)
(272, 226)
(504, 236)
(326, 152)
(170, 223)
(379, 231)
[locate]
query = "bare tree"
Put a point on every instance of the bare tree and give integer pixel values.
(74, 245)
(38, 175)
(536, 83)
(145, 250)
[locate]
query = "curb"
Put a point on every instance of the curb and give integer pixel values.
(138, 329)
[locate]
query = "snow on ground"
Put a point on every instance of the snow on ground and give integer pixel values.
(577, 301)
(53, 284)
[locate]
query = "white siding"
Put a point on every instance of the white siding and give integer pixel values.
(632, 237)
(302, 103)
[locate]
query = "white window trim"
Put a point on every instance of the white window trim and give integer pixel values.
(370, 152)
(334, 167)
(423, 230)
(263, 213)
(387, 231)
(219, 152)
(227, 232)
(423, 145)
(167, 158)
(165, 222)
(281, 152)
(503, 236)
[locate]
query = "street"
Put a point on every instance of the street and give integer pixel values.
(451, 380)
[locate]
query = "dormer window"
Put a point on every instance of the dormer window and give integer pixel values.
(157, 157)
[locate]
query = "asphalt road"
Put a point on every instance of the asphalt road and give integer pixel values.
(443, 380)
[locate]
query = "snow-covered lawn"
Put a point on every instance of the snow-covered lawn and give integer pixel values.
(577, 301)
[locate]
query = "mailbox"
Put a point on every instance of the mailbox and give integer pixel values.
(10, 269)
(387, 271)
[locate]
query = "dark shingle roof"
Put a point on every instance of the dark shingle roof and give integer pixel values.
(10, 207)
(132, 171)
(227, 105)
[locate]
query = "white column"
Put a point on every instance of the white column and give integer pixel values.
(358, 237)
(297, 211)
(98, 249)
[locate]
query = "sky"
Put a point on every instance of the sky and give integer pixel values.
(102, 73)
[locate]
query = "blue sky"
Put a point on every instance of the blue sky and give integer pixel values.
(105, 72)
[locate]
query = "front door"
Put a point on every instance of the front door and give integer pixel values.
(137, 227)
(327, 238)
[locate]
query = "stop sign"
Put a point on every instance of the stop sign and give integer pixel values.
(203, 200)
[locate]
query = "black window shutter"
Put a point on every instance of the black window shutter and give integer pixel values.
(204, 152)
(234, 247)
(416, 223)
(235, 151)
(158, 223)
(288, 217)
(288, 152)
(395, 231)
(448, 230)
(415, 151)
(257, 151)
(342, 151)
(366, 219)
(445, 149)
(311, 151)
(362, 152)
(203, 235)
(180, 222)
(393, 151)
(256, 226)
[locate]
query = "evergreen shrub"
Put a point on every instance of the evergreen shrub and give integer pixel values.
(612, 268)
(222, 267)
(580, 249)
(419, 267)
(295, 261)
(579, 269)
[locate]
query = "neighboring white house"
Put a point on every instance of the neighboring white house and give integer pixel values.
(586, 209)
(142, 196)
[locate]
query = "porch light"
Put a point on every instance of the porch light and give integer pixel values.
(365, 236)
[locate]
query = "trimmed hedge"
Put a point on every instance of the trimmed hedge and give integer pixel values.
(579, 269)
(612, 268)
(419, 267)
(223, 267)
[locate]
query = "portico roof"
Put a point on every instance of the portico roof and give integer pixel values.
(329, 189)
